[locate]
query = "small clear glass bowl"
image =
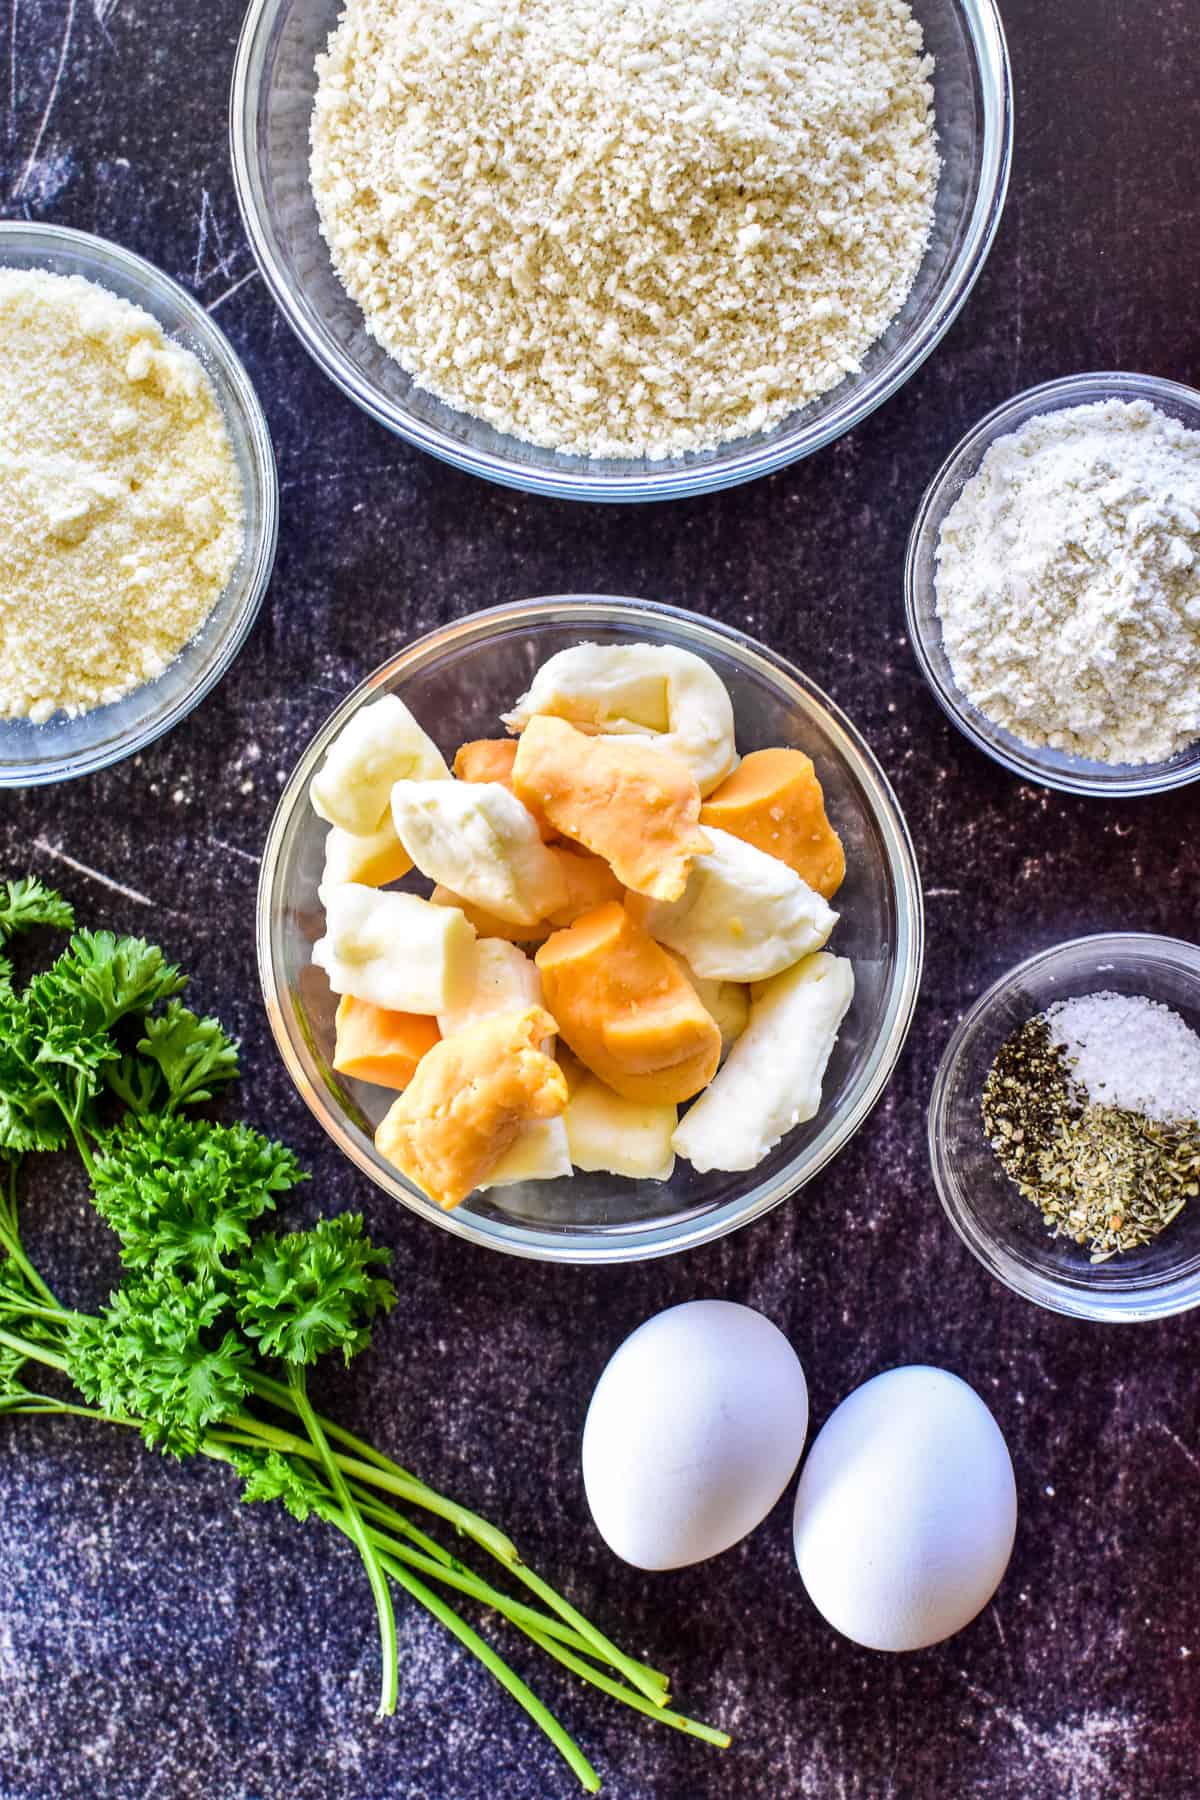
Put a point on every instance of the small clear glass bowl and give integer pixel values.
(31, 755)
(1006, 1231)
(274, 81)
(1052, 768)
(457, 680)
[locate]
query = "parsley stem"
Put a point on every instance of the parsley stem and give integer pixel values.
(11, 1244)
(10, 1236)
(709, 1733)
(34, 1352)
(268, 1389)
(405, 1486)
(357, 1532)
(566, 1746)
(650, 1682)
(45, 1403)
(456, 1575)
(521, 1615)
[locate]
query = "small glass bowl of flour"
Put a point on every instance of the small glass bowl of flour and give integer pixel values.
(157, 480)
(1053, 584)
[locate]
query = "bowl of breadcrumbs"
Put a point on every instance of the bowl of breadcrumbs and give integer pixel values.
(138, 504)
(621, 251)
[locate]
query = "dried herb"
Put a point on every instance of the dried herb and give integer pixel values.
(1109, 1178)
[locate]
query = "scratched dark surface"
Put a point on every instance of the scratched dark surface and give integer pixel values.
(156, 1639)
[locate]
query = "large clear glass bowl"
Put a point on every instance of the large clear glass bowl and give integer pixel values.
(457, 680)
(1001, 1228)
(1052, 768)
(271, 103)
(34, 754)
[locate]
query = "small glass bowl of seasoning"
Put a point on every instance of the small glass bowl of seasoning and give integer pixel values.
(1054, 768)
(1082, 1065)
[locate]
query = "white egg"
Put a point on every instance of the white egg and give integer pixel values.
(693, 1433)
(906, 1510)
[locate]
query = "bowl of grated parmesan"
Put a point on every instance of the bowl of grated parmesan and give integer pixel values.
(621, 253)
(138, 504)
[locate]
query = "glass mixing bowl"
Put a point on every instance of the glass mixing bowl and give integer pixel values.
(456, 681)
(1004, 1230)
(34, 754)
(271, 103)
(1053, 768)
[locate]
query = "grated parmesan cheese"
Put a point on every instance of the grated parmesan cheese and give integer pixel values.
(626, 227)
(121, 514)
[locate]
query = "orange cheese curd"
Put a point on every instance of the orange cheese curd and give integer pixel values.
(491, 759)
(637, 807)
(626, 1009)
(774, 801)
(469, 1098)
(373, 1044)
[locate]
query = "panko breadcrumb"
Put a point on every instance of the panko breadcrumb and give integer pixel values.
(626, 228)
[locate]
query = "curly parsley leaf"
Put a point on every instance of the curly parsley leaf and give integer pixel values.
(156, 1355)
(135, 1082)
(30, 1118)
(268, 1475)
(57, 1042)
(24, 904)
(28, 902)
(193, 1055)
(32, 1094)
(182, 1194)
(100, 979)
(310, 1292)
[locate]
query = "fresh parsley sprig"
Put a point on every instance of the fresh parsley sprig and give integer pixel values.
(205, 1346)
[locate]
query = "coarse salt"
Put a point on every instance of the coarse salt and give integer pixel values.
(1130, 1052)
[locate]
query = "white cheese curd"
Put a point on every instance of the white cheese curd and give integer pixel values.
(396, 950)
(694, 1430)
(771, 1081)
(610, 1135)
(372, 861)
(654, 691)
(906, 1510)
(477, 839)
(728, 1002)
(505, 980)
(743, 916)
(380, 745)
(539, 1152)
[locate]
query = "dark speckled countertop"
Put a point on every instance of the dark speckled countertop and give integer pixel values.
(160, 1642)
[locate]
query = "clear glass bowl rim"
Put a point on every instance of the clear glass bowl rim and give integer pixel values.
(732, 467)
(1112, 1306)
(586, 1248)
(238, 391)
(1008, 416)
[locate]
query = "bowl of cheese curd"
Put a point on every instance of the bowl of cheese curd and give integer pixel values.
(589, 929)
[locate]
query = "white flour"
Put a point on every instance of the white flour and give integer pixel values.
(1068, 583)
